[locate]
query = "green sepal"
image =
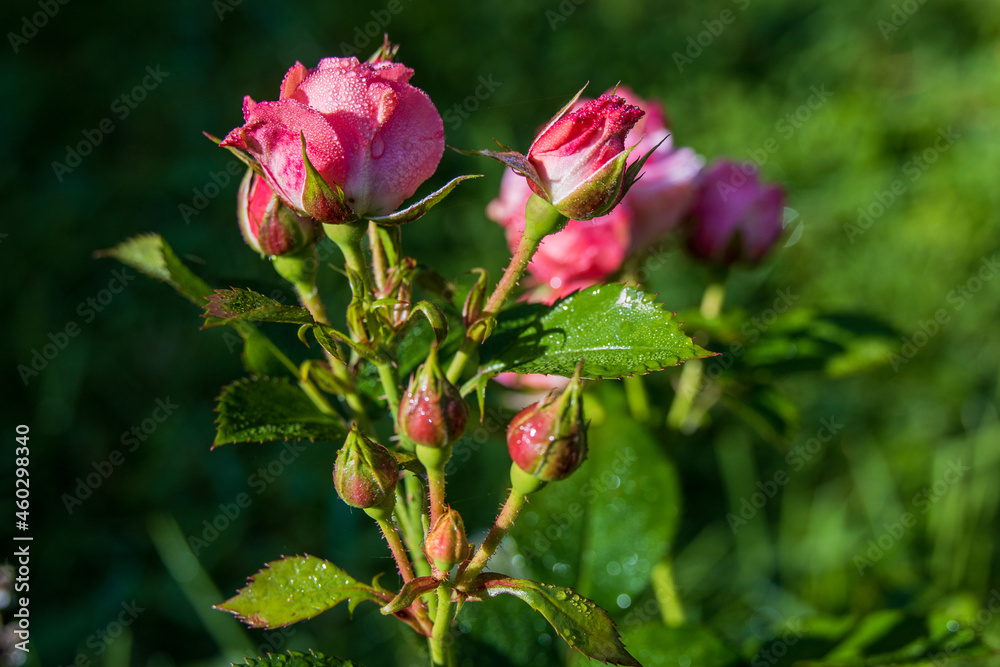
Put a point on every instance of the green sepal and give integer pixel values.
(241, 155)
(417, 210)
(324, 201)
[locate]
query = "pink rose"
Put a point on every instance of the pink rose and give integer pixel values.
(579, 157)
(734, 215)
(585, 252)
(662, 195)
(367, 132)
(267, 225)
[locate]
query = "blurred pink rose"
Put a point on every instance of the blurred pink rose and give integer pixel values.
(734, 215)
(367, 130)
(585, 252)
(665, 190)
(267, 225)
(580, 157)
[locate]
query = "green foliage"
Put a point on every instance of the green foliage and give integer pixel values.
(264, 409)
(151, 255)
(237, 304)
(297, 659)
(581, 623)
(615, 330)
(296, 588)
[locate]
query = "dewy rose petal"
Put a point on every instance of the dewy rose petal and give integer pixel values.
(367, 131)
(580, 157)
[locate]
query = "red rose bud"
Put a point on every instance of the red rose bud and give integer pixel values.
(365, 475)
(734, 216)
(548, 440)
(432, 412)
(370, 138)
(267, 225)
(580, 157)
(446, 543)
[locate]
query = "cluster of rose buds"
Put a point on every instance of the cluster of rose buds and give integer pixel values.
(723, 211)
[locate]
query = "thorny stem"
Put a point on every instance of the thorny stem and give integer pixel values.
(436, 483)
(515, 502)
(526, 247)
(405, 570)
(440, 647)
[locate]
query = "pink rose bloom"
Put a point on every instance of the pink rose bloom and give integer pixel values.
(580, 157)
(666, 188)
(267, 225)
(367, 131)
(734, 216)
(584, 253)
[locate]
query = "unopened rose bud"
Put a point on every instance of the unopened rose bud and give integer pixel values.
(548, 440)
(365, 475)
(432, 412)
(734, 215)
(580, 157)
(446, 543)
(267, 225)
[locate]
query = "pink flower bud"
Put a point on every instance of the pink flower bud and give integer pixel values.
(267, 225)
(432, 412)
(446, 543)
(548, 439)
(580, 157)
(734, 216)
(372, 137)
(365, 473)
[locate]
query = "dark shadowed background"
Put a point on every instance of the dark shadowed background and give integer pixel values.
(879, 118)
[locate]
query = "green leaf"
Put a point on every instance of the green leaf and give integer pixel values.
(296, 588)
(411, 213)
(603, 528)
(614, 329)
(656, 645)
(581, 623)
(236, 304)
(150, 254)
(297, 659)
(272, 409)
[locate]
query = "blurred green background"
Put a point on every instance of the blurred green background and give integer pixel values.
(898, 75)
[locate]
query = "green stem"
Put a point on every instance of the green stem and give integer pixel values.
(390, 384)
(526, 247)
(440, 646)
(515, 502)
(690, 381)
(405, 569)
(665, 591)
(436, 483)
(635, 395)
